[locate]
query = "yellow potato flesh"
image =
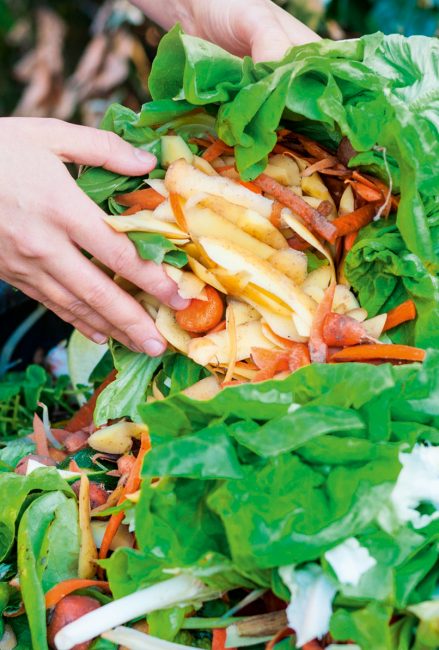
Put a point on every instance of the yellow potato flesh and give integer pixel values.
(116, 438)
(215, 348)
(185, 180)
(237, 260)
(248, 220)
(203, 222)
(171, 330)
(144, 221)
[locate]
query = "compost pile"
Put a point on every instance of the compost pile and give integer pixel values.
(271, 478)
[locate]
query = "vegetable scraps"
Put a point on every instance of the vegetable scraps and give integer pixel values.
(297, 506)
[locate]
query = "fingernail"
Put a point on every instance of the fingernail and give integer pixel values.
(177, 302)
(145, 157)
(99, 338)
(154, 347)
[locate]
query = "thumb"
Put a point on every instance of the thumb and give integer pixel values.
(87, 146)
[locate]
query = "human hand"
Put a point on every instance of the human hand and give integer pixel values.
(45, 219)
(258, 28)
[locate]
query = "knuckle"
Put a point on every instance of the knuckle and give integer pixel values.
(98, 297)
(123, 260)
(78, 309)
(31, 248)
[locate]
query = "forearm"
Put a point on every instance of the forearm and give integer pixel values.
(167, 12)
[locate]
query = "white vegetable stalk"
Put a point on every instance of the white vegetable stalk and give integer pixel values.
(135, 640)
(182, 588)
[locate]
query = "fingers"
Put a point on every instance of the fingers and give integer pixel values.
(277, 33)
(117, 252)
(82, 326)
(96, 295)
(87, 146)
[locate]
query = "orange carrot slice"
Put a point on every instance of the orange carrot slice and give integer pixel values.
(177, 209)
(148, 199)
(132, 485)
(316, 221)
(353, 221)
(66, 587)
(202, 315)
(378, 351)
(402, 313)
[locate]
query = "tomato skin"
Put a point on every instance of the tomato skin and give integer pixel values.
(202, 315)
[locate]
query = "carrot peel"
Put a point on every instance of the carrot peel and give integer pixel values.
(66, 587)
(380, 351)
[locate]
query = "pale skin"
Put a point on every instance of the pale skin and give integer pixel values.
(45, 219)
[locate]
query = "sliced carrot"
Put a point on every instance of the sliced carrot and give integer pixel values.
(66, 587)
(349, 240)
(315, 221)
(367, 193)
(282, 634)
(219, 639)
(298, 243)
(218, 328)
(340, 330)
(269, 362)
(216, 149)
(312, 147)
(131, 485)
(365, 180)
(148, 199)
(175, 201)
(202, 315)
(298, 356)
(200, 142)
(318, 348)
(324, 163)
(402, 313)
(39, 437)
(353, 221)
(251, 186)
(133, 210)
(378, 351)
(84, 417)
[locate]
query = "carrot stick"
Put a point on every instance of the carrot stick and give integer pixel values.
(132, 485)
(133, 210)
(84, 417)
(353, 221)
(349, 240)
(400, 314)
(39, 437)
(316, 221)
(66, 587)
(175, 202)
(215, 150)
(318, 348)
(365, 192)
(387, 351)
(251, 186)
(202, 315)
(148, 199)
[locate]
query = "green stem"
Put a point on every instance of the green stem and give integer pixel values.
(199, 623)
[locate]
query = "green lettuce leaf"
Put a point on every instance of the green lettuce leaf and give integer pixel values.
(157, 249)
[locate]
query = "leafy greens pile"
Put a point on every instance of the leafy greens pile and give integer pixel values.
(277, 474)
